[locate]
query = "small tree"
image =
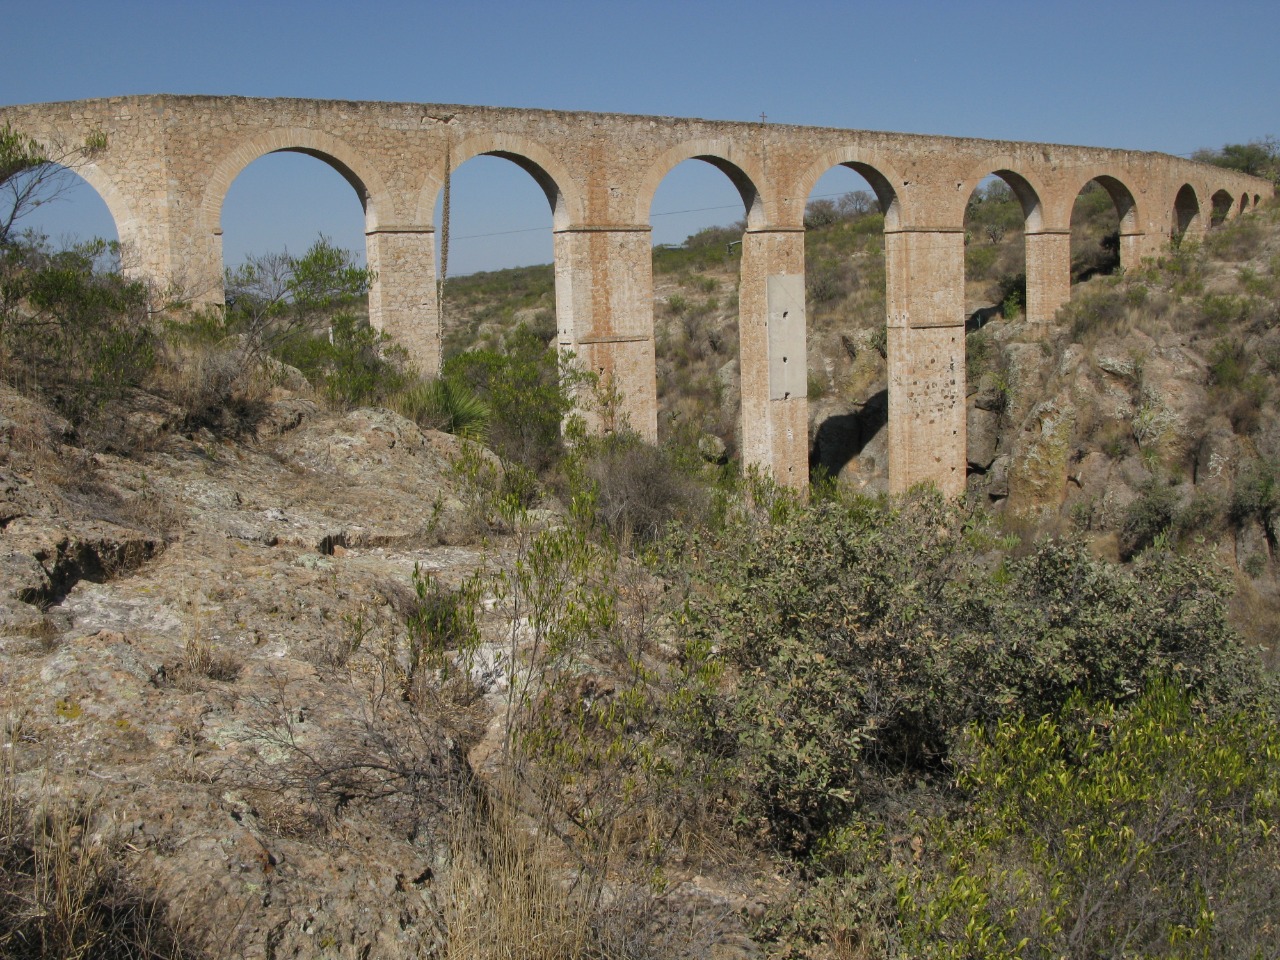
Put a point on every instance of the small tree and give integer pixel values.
(275, 297)
(21, 164)
(1260, 158)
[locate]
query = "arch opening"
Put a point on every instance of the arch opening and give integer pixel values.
(284, 201)
(1186, 212)
(699, 214)
(1222, 204)
(1001, 210)
(497, 256)
(846, 215)
(292, 250)
(1102, 211)
(59, 207)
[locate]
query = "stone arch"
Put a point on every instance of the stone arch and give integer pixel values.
(742, 172)
(1186, 211)
(1221, 204)
(879, 175)
(547, 171)
(1125, 201)
(1046, 274)
(1025, 187)
(104, 185)
(127, 226)
(374, 196)
(1244, 202)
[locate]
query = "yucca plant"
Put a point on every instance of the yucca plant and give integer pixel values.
(446, 405)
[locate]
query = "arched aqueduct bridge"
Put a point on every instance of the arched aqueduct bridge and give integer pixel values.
(163, 165)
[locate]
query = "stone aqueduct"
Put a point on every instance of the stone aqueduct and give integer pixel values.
(163, 165)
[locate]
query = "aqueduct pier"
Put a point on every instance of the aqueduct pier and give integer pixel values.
(163, 165)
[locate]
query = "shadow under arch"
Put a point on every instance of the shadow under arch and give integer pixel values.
(375, 198)
(841, 438)
(745, 176)
(1186, 211)
(878, 175)
(1221, 207)
(551, 175)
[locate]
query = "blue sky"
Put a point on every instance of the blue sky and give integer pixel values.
(1170, 76)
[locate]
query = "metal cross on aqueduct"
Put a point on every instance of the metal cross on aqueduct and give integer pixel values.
(165, 164)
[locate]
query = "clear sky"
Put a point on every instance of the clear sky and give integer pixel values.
(1165, 75)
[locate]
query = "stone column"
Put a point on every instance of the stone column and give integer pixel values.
(207, 276)
(402, 298)
(604, 313)
(1048, 275)
(1138, 246)
(166, 244)
(773, 356)
(925, 268)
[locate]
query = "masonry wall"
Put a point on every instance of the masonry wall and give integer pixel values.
(163, 165)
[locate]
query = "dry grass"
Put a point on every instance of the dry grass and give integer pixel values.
(1255, 614)
(64, 892)
(504, 900)
(202, 660)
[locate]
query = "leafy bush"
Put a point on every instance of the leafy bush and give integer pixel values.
(865, 636)
(1149, 828)
(352, 364)
(1160, 513)
(73, 330)
(528, 392)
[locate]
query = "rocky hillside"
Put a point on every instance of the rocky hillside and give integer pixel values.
(220, 694)
(1146, 409)
(173, 621)
(284, 674)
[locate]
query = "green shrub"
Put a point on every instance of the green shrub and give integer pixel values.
(1152, 827)
(1161, 514)
(865, 636)
(352, 364)
(979, 261)
(528, 391)
(447, 405)
(1256, 496)
(1223, 311)
(1011, 292)
(73, 330)
(1228, 363)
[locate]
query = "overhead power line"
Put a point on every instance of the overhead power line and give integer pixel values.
(664, 213)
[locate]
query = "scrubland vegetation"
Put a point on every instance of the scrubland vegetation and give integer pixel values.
(921, 728)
